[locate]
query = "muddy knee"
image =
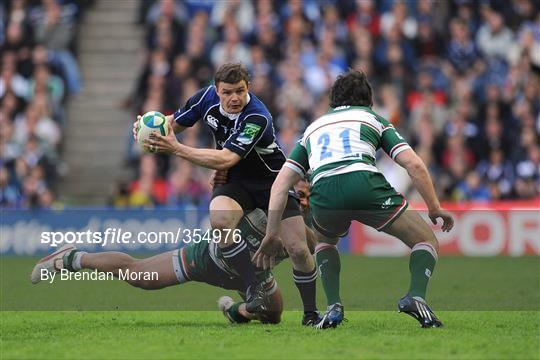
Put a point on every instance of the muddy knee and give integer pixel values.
(298, 251)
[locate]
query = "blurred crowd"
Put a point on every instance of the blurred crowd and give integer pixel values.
(459, 79)
(38, 72)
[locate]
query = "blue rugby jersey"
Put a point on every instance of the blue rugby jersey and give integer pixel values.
(249, 134)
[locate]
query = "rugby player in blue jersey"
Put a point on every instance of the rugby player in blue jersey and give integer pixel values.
(247, 150)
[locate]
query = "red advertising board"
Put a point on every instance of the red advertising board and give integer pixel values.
(503, 228)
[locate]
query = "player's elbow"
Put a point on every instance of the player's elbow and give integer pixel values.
(228, 160)
(279, 187)
(416, 167)
(224, 164)
(413, 164)
(285, 180)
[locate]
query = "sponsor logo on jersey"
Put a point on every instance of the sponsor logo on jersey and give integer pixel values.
(249, 134)
(253, 241)
(428, 273)
(212, 121)
(386, 204)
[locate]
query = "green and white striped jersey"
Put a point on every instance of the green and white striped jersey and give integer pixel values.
(343, 140)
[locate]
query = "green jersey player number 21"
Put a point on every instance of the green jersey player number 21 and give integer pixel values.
(339, 150)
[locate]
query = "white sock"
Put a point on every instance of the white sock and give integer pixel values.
(76, 265)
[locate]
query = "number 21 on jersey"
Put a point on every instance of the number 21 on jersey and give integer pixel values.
(335, 143)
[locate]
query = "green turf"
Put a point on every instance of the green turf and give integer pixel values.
(461, 287)
(196, 335)
(367, 284)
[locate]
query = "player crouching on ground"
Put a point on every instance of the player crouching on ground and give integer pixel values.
(201, 262)
(340, 150)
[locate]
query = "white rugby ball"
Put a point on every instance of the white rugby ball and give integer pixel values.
(152, 121)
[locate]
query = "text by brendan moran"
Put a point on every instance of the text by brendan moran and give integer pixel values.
(125, 275)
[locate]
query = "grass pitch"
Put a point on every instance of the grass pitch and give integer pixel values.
(204, 334)
(461, 291)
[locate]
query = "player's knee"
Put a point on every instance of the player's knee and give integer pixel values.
(432, 240)
(297, 250)
(435, 244)
(144, 283)
(271, 317)
(221, 221)
(136, 275)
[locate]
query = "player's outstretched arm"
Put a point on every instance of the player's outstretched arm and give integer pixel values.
(270, 245)
(223, 159)
(422, 181)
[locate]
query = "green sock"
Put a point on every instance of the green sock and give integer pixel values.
(329, 265)
(72, 260)
(68, 260)
(235, 314)
(421, 265)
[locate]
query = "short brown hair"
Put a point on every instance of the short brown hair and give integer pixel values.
(231, 74)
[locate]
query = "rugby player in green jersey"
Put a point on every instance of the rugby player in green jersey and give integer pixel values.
(339, 150)
(201, 262)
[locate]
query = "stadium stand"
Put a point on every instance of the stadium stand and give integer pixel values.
(39, 72)
(460, 79)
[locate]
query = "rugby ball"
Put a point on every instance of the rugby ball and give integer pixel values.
(152, 121)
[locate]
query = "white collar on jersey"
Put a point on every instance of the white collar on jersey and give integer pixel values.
(232, 116)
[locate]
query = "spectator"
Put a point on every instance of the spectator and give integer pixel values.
(10, 79)
(186, 185)
(149, 189)
(54, 25)
(398, 18)
(45, 83)
(291, 125)
(391, 107)
(321, 75)
(493, 38)
(231, 49)
(242, 12)
(10, 194)
(528, 174)
(498, 172)
(365, 16)
(472, 189)
(462, 52)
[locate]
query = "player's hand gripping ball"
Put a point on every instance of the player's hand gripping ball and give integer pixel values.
(152, 121)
